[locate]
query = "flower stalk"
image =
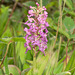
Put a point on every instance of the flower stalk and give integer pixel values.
(41, 4)
(36, 34)
(34, 62)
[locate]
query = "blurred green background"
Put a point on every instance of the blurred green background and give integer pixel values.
(60, 54)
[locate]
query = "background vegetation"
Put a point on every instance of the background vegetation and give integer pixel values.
(60, 54)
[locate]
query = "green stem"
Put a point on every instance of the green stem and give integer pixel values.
(74, 23)
(60, 17)
(67, 52)
(6, 66)
(5, 54)
(59, 44)
(56, 35)
(34, 64)
(64, 4)
(41, 4)
(14, 50)
(15, 63)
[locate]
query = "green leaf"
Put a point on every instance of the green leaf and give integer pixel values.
(6, 66)
(61, 60)
(49, 20)
(71, 63)
(44, 2)
(13, 70)
(21, 51)
(5, 40)
(30, 72)
(6, 33)
(64, 73)
(72, 36)
(29, 3)
(69, 24)
(69, 4)
(31, 62)
(50, 4)
(25, 71)
(43, 65)
(74, 73)
(58, 69)
(26, 66)
(1, 72)
(71, 12)
(52, 63)
(14, 39)
(61, 31)
(3, 18)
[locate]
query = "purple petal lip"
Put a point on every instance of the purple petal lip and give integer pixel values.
(36, 34)
(37, 4)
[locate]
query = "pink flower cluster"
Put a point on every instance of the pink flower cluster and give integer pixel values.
(37, 32)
